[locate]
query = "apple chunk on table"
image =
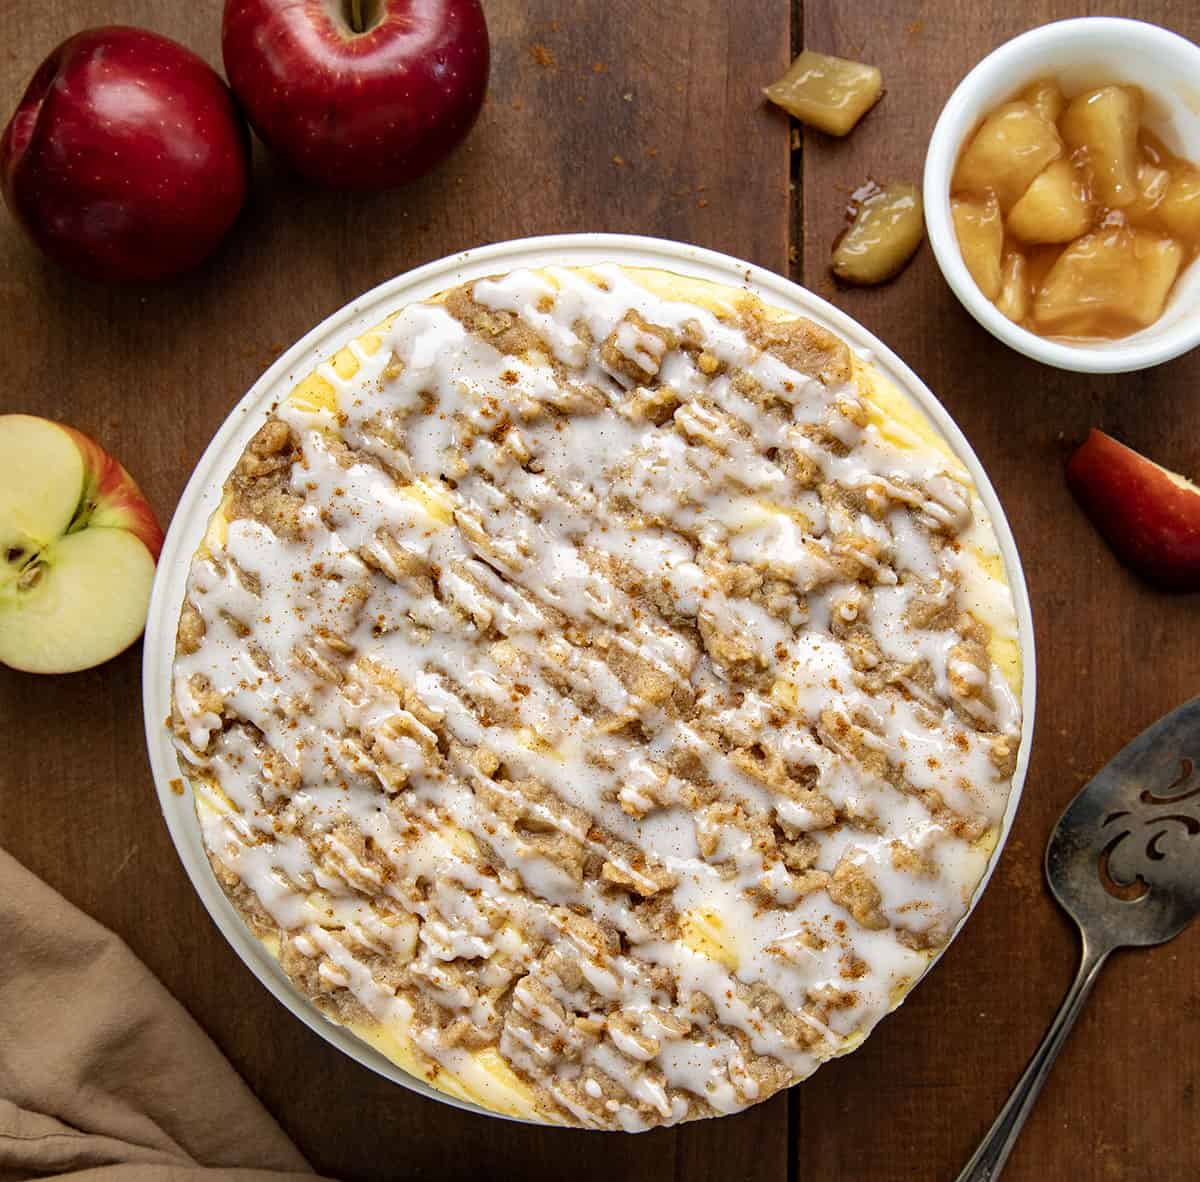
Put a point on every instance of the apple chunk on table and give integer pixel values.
(78, 544)
(1149, 516)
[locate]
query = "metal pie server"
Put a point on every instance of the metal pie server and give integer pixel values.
(1124, 862)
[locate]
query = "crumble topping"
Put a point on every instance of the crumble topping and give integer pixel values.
(583, 688)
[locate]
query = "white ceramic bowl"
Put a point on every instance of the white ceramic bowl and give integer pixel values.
(1087, 52)
(203, 493)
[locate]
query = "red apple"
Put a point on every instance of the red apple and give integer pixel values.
(127, 158)
(1149, 515)
(78, 544)
(358, 94)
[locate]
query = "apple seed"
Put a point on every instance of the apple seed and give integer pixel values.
(31, 576)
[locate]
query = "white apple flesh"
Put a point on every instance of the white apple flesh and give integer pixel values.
(78, 544)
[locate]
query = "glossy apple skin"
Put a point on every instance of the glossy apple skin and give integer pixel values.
(127, 159)
(1151, 522)
(365, 111)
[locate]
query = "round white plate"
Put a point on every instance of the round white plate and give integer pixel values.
(203, 494)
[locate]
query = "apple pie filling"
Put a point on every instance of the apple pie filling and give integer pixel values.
(599, 693)
(1072, 218)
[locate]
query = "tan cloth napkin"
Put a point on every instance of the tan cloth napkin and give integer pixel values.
(104, 1077)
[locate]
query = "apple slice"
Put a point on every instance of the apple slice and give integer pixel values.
(1148, 515)
(78, 544)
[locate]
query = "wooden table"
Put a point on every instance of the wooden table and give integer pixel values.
(642, 116)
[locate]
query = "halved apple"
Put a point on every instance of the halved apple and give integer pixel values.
(78, 544)
(1149, 515)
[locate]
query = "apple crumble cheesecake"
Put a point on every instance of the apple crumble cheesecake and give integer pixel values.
(599, 693)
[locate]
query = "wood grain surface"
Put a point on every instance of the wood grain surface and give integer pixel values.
(641, 116)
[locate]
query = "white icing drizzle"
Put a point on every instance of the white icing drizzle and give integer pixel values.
(434, 737)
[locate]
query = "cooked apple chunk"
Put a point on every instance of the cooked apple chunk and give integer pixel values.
(1013, 300)
(1011, 147)
(829, 93)
(1108, 283)
(1158, 261)
(1055, 207)
(886, 231)
(1046, 97)
(1152, 183)
(1180, 208)
(1099, 216)
(980, 232)
(1104, 123)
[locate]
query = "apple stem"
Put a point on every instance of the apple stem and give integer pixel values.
(361, 15)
